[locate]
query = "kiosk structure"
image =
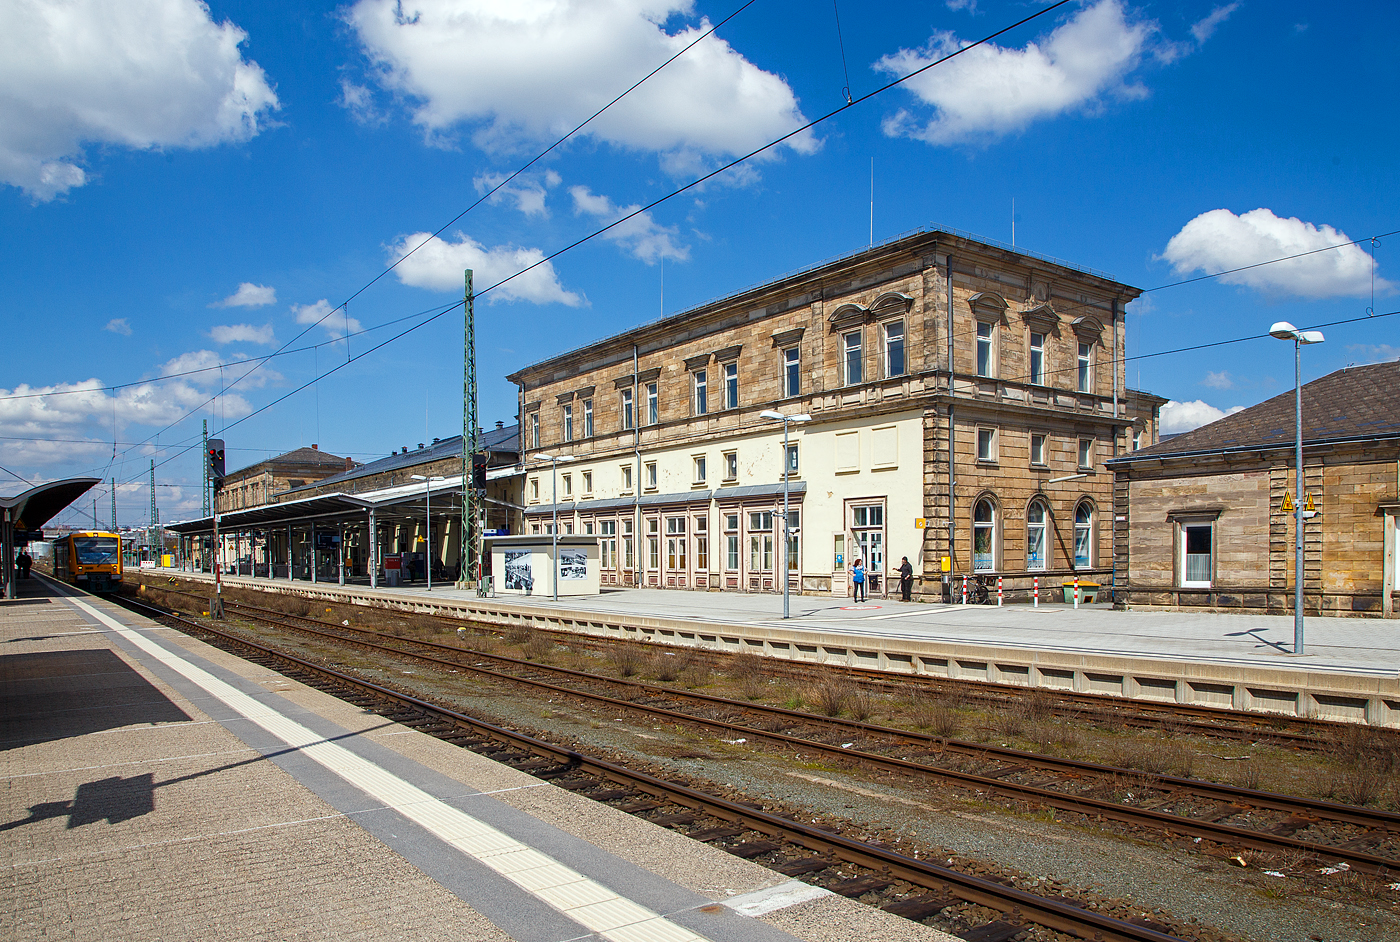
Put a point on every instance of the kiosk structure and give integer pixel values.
(526, 565)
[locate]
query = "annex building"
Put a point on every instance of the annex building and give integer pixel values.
(1203, 523)
(963, 397)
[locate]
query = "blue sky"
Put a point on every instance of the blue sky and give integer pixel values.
(184, 186)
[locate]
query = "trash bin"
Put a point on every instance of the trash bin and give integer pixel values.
(1088, 592)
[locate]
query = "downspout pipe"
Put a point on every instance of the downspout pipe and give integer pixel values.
(637, 483)
(952, 517)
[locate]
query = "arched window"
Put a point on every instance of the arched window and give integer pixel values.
(1036, 555)
(983, 536)
(1084, 535)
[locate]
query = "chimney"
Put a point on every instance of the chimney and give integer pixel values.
(500, 424)
(315, 447)
(349, 464)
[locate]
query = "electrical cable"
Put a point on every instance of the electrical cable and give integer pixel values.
(846, 91)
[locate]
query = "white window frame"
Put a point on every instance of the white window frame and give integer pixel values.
(587, 482)
(1087, 528)
(891, 343)
(568, 481)
(986, 364)
(731, 466)
(792, 461)
(625, 476)
(534, 430)
(1038, 458)
(653, 404)
(1184, 524)
(588, 418)
(1036, 359)
(1043, 529)
(1085, 455)
(700, 392)
(568, 417)
(629, 417)
(988, 563)
(792, 372)
(699, 465)
(731, 384)
(649, 475)
(1085, 367)
(853, 368)
(987, 444)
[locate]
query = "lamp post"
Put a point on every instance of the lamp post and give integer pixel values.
(554, 501)
(1286, 331)
(428, 520)
(773, 416)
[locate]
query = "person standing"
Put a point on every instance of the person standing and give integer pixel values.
(23, 562)
(858, 580)
(906, 579)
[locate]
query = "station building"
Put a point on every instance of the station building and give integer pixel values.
(963, 397)
(261, 483)
(1203, 524)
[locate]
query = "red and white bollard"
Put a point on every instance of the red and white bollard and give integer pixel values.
(999, 593)
(1035, 593)
(1076, 591)
(964, 594)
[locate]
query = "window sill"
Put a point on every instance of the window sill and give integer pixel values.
(695, 485)
(988, 462)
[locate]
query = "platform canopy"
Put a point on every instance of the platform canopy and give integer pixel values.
(38, 505)
(401, 499)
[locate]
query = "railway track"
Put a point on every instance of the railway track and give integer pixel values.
(794, 848)
(1231, 818)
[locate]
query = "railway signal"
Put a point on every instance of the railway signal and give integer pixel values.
(216, 461)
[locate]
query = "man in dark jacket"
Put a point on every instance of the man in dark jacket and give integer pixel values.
(906, 579)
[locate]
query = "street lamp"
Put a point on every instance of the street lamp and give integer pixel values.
(428, 514)
(554, 500)
(773, 416)
(1286, 331)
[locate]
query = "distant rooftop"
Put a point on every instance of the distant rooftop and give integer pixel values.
(501, 439)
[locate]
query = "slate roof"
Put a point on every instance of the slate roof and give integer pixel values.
(492, 440)
(1359, 402)
(299, 457)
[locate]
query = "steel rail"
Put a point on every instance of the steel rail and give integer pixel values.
(1126, 814)
(1054, 914)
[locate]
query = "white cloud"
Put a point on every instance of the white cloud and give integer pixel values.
(438, 266)
(249, 295)
(1185, 416)
(1205, 28)
(242, 333)
(640, 235)
(528, 192)
(359, 101)
(332, 320)
(83, 415)
(991, 91)
(1219, 380)
(140, 73)
(118, 325)
(527, 71)
(1374, 352)
(1220, 241)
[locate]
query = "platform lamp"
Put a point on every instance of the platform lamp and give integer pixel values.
(1286, 331)
(554, 500)
(773, 416)
(428, 520)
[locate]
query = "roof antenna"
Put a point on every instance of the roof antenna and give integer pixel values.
(846, 91)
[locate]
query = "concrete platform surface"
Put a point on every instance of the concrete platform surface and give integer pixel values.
(157, 788)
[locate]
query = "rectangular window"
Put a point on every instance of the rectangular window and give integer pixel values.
(653, 405)
(675, 543)
(894, 348)
(649, 469)
(699, 384)
(1086, 453)
(1037, 376)
(731, 541)
(699, 462)
(986, 444)
(653, 544)
(731, 385)
(627, 557)
(534, 430)
(731, 466)
(588, 482)
(1197, 557)
(702, 545)
(608, 544)
(984, 348)
(629, 419)
(588, 418)
(1085, 375)
(534, 490)
(588, 528)
(792, 372)
(626, 478)
(791, 464)
(854, 360)
(568, 481)
(1037, 449)
(568, 421)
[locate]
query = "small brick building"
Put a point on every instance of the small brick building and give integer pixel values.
(1200, 520)
(260, 483)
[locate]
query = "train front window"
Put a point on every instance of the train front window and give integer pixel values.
(95, 551)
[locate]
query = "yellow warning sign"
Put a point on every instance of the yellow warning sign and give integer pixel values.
(1287, 502)
(1309, 504)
